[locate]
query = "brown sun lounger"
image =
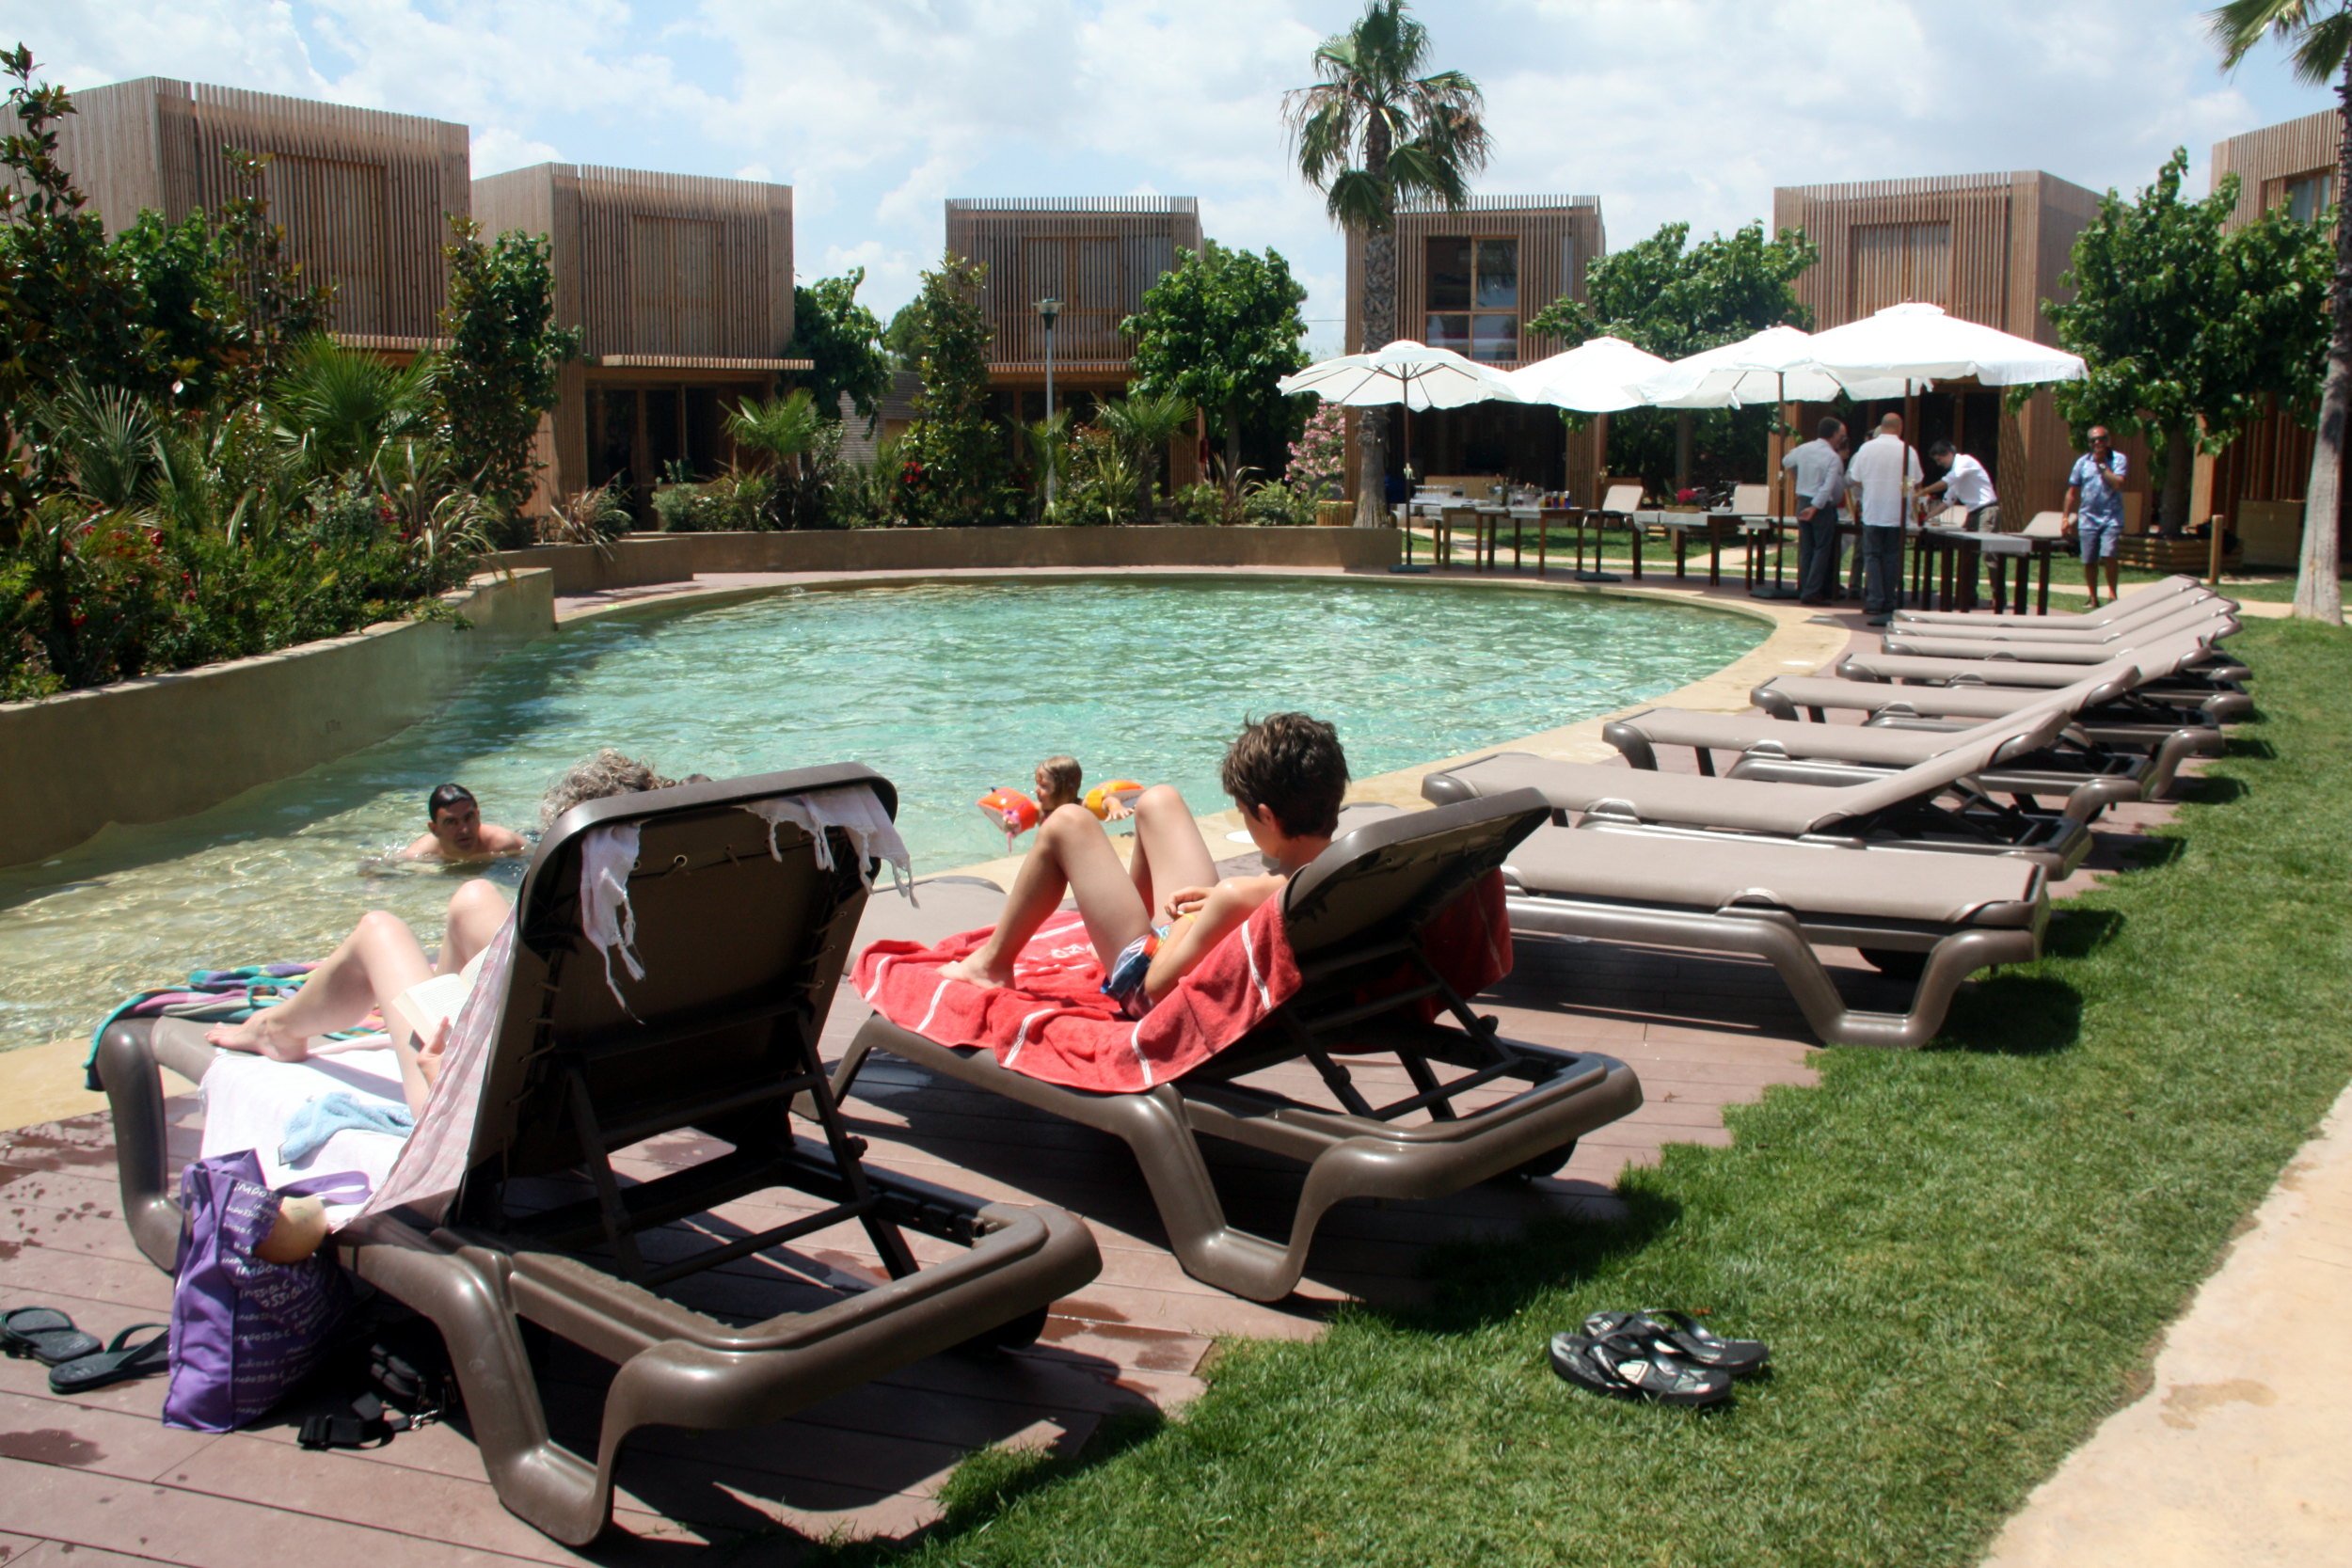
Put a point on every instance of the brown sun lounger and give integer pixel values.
(742, 949)
(2161, 696)
(2127, 606)
(1914, 914)
(2118, 633)
(1353, 919)
(2208, 618)
(1901, 810)
(2187, 650)
(2090, 776)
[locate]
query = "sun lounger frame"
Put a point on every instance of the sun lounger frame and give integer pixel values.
(481, 1275)
(1356, 1151)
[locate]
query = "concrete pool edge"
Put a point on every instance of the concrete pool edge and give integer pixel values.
(42, 1082)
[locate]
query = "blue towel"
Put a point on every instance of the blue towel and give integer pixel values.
(321, 1118)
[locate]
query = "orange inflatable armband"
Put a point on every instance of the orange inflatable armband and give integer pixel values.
(1124, 791)
(1009, 810)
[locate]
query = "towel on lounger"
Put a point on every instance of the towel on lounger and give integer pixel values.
(1054, 1023)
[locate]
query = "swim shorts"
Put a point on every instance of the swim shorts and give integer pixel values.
(1124, 984)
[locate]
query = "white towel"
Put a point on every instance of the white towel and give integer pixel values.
(854, 810)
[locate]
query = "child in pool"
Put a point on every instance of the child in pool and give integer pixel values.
(1153, 920)
(1060, 781)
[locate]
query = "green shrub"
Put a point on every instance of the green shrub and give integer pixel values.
(1272, 503)
(1202, 505)
(733, 502)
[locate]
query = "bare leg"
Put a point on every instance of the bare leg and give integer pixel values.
(1072, 855)
(376, 963)
(1168, 852)
(2091, 581)
(2115, 576)
(476, 911)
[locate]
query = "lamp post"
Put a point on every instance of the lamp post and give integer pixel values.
(1047, 308)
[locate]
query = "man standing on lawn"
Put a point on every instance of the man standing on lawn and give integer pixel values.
(1888, 471)
(2094, 509)
(1820, 476)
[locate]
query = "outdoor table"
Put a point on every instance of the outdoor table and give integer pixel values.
(2020, 547)
(1680, 524)
(1753, 530)
(1946, 573)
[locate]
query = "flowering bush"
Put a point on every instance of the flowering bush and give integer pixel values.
(1319, 457)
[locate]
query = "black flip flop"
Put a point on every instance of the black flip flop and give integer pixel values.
(1683, 1336)
(45, 1333)
(118, 1363)
(1628, 1367)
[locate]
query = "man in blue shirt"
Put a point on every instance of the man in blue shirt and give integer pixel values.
(2094, 509)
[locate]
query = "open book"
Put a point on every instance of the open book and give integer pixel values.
(423, 1007)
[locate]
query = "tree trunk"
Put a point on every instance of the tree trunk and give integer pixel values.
(1684, 421)
(2180, 466)
(1233, 445)
(2318, 595)
(1372, 424)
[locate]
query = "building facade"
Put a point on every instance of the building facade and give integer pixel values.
(1471, 279)
(2258, 483)
(682, 286)
(364, 197)
(1986, 248)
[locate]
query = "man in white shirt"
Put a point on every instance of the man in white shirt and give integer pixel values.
(1969, 488)
(1888, 473)
(1818, 473)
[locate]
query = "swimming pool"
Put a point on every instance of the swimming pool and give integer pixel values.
(946, 690)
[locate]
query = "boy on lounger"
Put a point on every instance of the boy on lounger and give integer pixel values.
(1153, 920)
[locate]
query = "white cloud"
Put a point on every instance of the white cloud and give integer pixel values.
(1666, 109)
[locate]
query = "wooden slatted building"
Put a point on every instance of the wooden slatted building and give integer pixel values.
(2257, 484)
(682, 287)
(1471, 279)
(1097, 255)
(364, 195)
(1988, 248)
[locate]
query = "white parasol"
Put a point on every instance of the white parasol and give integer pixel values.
(1596, 377)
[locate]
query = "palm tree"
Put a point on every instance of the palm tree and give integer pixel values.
(1372, 130)
(2320, 34)
(342, 410)
(782, 430)
(1145, 423)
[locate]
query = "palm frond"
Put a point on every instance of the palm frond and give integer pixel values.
(2319, 56)
(1357, 199)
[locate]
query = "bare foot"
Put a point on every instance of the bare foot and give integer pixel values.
(260, 1034)
(973, 972)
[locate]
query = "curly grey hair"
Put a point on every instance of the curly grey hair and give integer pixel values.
(609, 772)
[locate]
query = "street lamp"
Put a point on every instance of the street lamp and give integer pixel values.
(1047, 308)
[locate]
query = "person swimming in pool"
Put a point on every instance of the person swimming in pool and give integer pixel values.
(1153, 920)
(455, 829)
(382, 966)
(1060, 781)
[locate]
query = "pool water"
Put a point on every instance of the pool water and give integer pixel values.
(945, 689)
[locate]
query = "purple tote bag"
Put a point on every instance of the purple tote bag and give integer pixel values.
(245, 1331)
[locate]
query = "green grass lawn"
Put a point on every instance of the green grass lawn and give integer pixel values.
(1961, 1257)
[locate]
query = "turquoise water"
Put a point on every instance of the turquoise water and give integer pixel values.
(947, 690)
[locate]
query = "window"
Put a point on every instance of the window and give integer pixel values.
(1472, 296)
(2308, 195)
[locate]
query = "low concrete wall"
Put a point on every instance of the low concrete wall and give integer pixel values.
(147, 751)
(643, 558)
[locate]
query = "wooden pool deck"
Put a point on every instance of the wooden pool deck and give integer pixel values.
(99, 1480)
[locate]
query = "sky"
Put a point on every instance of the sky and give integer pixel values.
(874, 111)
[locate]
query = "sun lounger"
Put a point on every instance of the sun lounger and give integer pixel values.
(741, 945)
(1938, 917)
(2071, 765)
(2113, 634)
(1903, 810)
(2186, 653)
(2127, 606)
(2210, 619)
(1353, 919)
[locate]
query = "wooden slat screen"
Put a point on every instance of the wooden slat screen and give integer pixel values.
(1948, 240)
(1097, 256)
(364, 195)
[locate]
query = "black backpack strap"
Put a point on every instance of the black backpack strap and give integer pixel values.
(368, 1425)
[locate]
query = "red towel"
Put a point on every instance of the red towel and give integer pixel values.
(1054, 1023)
